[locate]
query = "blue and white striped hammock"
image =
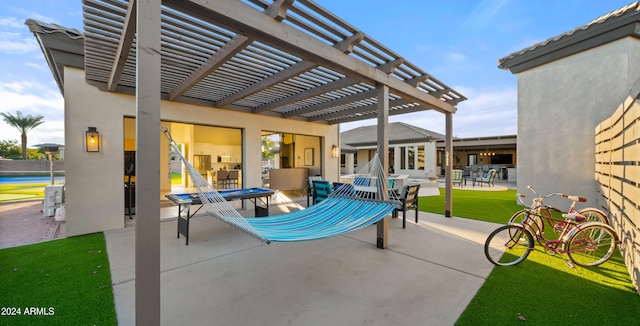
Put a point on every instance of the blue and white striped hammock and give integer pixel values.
(342, 212)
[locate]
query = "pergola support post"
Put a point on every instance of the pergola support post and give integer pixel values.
(147, 229)
(383, 149)
(448, 153)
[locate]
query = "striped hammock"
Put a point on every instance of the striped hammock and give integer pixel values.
(347, 209)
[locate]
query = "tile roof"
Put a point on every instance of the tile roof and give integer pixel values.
(606, 28)
(399, 132)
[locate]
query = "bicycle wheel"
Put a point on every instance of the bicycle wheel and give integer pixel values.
(594, 215)
(535, 223)
(591, 244)
(508, 245)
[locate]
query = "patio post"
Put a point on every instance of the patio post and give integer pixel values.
(448, 153)
(383, 148)
(147, 233)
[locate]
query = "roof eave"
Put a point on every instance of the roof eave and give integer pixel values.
(573, 42)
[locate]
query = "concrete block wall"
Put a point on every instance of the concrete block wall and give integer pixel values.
(29, 167)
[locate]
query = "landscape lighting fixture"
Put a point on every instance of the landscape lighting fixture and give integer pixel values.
(334, 151)
(92, 140)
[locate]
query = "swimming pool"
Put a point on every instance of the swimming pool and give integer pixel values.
(31, 179)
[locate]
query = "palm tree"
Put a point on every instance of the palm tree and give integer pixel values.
(24, 124)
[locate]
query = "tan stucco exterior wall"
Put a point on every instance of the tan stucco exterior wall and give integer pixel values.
(559, 105)
(94, 181)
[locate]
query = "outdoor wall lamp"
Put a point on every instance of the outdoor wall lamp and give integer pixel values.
(92, 140)
(335, 151)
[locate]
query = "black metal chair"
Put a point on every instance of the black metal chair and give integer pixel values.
(321, 190)
(309, 188)
(409, 199)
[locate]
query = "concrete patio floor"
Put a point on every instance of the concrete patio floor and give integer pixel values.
(427, 276)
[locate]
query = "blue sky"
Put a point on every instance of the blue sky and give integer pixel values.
(458, 42)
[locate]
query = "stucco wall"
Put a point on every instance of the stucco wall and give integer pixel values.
(94, 192)
(559, 105)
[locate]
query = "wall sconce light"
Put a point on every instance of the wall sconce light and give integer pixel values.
(92, 140)
(335, 151)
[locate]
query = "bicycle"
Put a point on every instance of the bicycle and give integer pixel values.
(591, 214)
(586, 244)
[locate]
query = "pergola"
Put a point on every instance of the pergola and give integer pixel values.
(294, 60)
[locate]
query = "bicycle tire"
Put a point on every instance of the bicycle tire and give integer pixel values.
(537, 225)
(505, 247)
(591, 244)
(594, 215)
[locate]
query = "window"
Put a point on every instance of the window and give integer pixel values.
(411, 157)
(473, 159)
(421, 157)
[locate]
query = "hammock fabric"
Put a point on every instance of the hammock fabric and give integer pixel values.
(342, 212)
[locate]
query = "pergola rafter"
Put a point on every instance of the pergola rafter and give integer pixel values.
(259, 57)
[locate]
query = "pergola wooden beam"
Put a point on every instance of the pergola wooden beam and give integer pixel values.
(338, 84)
(299, 68)
(226, 52)
(255, 24)
(360, 110)
(328, 104)
(124, 46)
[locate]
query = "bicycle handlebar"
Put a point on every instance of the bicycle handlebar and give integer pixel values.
(572, 198)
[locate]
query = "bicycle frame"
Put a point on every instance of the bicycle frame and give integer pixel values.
(554, 245)
(586, 244)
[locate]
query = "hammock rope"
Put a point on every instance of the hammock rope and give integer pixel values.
(344, 211)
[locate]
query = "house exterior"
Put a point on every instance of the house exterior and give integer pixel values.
(419, 153)
(566, 86)
(412, 150)
(577, 119)
(476, 155)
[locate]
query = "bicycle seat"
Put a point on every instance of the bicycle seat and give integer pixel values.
(575, 198)
(575, 217)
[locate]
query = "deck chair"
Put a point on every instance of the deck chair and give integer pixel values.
(409, 199)
(361, 181)
(487, 178)
(344, 189)
(321, 190)
(309, 189)
(457, 176)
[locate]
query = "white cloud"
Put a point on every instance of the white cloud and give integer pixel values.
(11, 22)
(456, 56)
(33, 98)
(487, 112)
(483, 13)
(11, 42)
(34, 65)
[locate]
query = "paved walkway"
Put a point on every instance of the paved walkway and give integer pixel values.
(427, 276)
(23, 223)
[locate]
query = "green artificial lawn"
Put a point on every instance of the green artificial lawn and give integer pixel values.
(542, 290)
(68, 279)
(21, 191)
(176, 178)
(489, 206)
